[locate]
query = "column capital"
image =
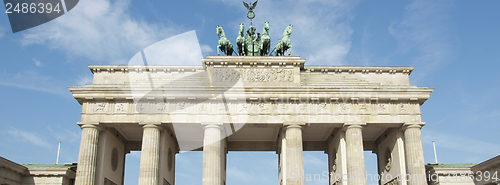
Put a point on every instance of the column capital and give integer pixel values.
(89, 125)
(353, 125)
(151, 126)
(413, 125)
(294, 124)
(144, 124)
(80, 123)
(211, 124)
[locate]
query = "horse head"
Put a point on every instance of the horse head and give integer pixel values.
(265, 30)
(242, 29)
(288, 30)
(219, 30)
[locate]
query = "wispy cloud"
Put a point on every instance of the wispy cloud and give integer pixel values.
(423, 34)
(101, 30)
(459, 143)
(65, 135)
(321, 32)
(241, 175)
(29, 137)
(37, 62)
(84, 80)
(32, 80)
(314, 160)
(205, 49)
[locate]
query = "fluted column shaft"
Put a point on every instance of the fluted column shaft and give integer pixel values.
(415, 167)
(212, 155)
(356, 173)
(150, 155)
(87, 158)
(294, 155)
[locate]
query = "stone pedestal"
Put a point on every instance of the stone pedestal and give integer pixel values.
(86, 171)
(150, 155)
(213, 155)
(415, 167)
(356, 173)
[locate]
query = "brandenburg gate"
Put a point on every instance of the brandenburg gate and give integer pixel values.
(251, 103)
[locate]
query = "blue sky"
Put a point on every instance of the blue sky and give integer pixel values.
(453, 45)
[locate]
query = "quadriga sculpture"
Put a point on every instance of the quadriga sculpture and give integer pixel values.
(224, 44)
(284, 44)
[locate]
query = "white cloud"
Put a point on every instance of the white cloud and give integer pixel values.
(242, 175)
(101, 30)
(29, 137)
(84, 80)
(37, 62)
(314, 160)
(206, 49)
(64, 135)
(461, 143)
(423, 31)
(181, 49)
(321, 31)
(33, 81)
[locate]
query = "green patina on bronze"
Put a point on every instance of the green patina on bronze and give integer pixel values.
(251, 43)
(284, 44)
(224, 44)
(250, 13)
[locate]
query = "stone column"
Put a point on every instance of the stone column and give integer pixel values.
(212, 155)
(356, 173)
(294, 171)
(415, 167)
(150, 155)
(86, 171)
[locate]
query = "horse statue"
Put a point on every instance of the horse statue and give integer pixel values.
(224, 44)
(240, 41)
(265, 42)
(284, 44)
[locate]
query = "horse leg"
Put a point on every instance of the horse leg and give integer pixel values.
(218, 48)
(240, 49)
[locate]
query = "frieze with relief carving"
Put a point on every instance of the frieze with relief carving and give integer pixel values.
(252, 75)
(252, 107)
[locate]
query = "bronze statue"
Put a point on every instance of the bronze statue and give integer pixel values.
(265, 43)
(284, 44)
(224, 44)
(240, 41)
(251, 13)
(252, 43)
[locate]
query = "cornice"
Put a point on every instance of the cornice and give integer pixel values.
(126, 68)
(253, 61)
(248, 62)
(359, 69)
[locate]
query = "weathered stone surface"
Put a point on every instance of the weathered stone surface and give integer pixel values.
(260, 104)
